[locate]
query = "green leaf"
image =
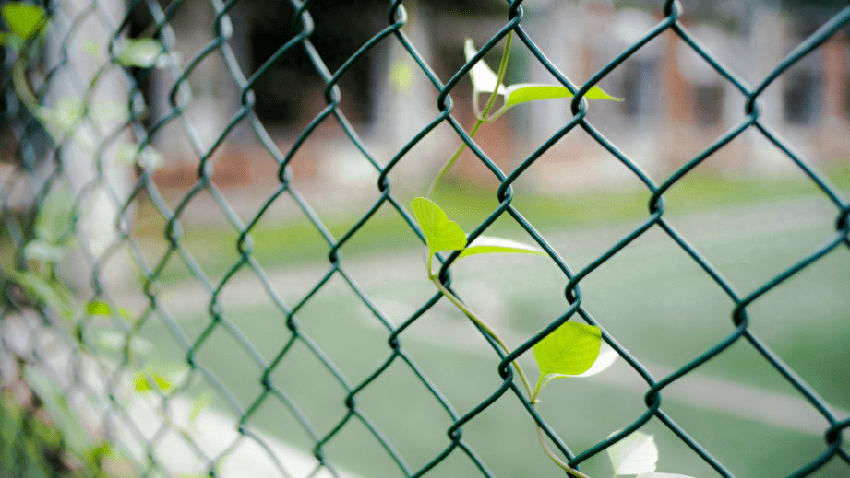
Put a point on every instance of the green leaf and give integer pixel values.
(569, 350)
(144, 381)
(98, 307)
(484, 81)
(401, 75)
(483, 244)
(24, 20)
(522, 92)
(634, 454)
(607, 357)
(142, 53)
(66, 114)
(44, 251)
(98, 453)
(199, 405)
(441, 233)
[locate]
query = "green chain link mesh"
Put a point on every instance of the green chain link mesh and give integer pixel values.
(36, 336)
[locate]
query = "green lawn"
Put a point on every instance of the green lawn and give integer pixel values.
(651, 297)
(296, 240)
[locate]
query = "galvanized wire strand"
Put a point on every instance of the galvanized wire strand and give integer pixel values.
(214, 284)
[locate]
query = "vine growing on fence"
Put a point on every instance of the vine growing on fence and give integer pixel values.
(574, 349)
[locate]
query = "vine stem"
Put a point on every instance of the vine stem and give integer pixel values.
(533, 394)
(480, 119)
(474, 318)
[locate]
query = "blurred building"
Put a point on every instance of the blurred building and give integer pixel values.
(675, 103)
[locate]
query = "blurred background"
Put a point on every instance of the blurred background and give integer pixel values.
(249, 273)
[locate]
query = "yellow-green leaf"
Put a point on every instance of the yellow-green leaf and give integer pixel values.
(441, 233)
(570, 349)
(199, 405)
(144, 384)
(24, 20)
(522, 92)
(98, 307)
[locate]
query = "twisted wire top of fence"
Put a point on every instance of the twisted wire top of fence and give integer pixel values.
(314, 357)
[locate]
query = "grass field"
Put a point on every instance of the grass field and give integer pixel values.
(651, 297)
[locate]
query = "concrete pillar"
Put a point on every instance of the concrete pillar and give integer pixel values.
(99, 198)
(767, 42)
(403, 98)
(834, 128)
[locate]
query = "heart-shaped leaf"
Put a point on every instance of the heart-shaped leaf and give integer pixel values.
(441, 233)
(24, 20)
(483, 244)
(570, 349)
(634, 454)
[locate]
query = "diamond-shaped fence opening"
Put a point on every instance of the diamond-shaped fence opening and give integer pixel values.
(209, 266)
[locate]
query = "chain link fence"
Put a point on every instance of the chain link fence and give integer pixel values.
(309, 372)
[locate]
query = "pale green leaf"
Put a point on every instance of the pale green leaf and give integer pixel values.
(145, 381)
(484, 244)
(65, 115)
(401, 75)
(522, 92)
(658, 474)
(199, 405)
(441, 233)
(634, 454)
(483, 78)
(24, 20)
(142, 53)
(570, 349)
(98, 307)
(44, 251)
